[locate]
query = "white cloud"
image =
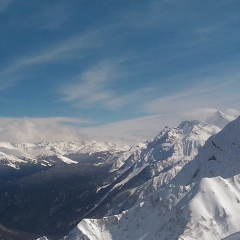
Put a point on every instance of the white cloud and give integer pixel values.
(132, 131)
(200, 114)
(38, 129)
(141, 129)
(233, 112)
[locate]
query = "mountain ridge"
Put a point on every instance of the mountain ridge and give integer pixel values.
(203, 209)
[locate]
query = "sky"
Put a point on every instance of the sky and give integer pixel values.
(90, 68)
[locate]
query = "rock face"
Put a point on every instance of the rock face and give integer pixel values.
(201, 202)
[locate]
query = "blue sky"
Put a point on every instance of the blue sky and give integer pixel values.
(90, 63)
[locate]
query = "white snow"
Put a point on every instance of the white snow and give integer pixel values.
(66, 160)
(207, 208)
(219, 119)
(13, 154)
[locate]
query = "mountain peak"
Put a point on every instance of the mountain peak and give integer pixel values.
(219, 119)
(187, 126)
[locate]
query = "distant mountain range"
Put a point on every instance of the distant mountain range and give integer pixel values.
(164, 188)
(16, 154)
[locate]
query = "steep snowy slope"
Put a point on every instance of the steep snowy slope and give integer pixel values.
(154, 164)
(220, 156)
(207, 208)
(174, 145)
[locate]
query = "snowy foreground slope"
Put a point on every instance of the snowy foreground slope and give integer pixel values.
(201, 202)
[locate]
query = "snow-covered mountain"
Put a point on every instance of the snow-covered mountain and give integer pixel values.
(153, 164)
(219, 119)
(15, 154)
(172, 145)
(60, 178)
(205, 207)
(49, 153)
(110, 181)
(76, 180)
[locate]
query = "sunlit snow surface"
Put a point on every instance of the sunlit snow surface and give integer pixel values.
(14, 154)
(207, 208)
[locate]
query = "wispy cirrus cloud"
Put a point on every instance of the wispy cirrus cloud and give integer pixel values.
(66, 49)
(97, 86)
(73, 47)
(130, 131)
(92, 85)
(133, 99)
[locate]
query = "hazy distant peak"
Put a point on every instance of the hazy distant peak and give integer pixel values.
(219, 119)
